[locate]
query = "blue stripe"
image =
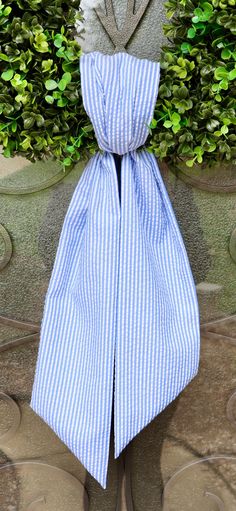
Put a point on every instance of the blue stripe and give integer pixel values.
(121, 301)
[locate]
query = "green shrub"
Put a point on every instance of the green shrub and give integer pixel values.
(41, 109)
(195, 112)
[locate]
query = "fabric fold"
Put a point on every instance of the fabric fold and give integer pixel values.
(121, 302)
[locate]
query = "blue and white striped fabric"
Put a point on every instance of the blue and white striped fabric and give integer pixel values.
(122, 299)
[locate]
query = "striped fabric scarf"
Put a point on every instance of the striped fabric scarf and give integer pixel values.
(121, 310)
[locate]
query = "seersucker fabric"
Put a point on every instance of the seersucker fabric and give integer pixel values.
(121, 317)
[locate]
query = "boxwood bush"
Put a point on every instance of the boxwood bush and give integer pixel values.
(41, 109)
(195, 111)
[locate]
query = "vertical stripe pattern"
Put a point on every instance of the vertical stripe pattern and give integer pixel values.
(121, 301)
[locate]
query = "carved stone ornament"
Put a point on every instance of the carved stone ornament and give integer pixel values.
(120, 38)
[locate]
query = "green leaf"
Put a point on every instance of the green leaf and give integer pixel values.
(186, 47)
(39, 120)
(220, 72)
(51, 84)
(70, 149)
(7, 11)
(175, 118)
(153, 124)
(224, 84)
(47, 65)
(176, 128)
(62, 102)
(7, 75)
(26, 143)
(226, 121)
(232, 74)
(13, 126)
(7, 152)
(88, 128)
(56, 94)
(29, 122)
(224, 129)
(62, 85)
(225, 54)
(212, 124)
(60, 52)
(198, 150)
(49, 99)
(191, 33)
(4, 57)
(67, 162)
(185, 149)
(190, 163)
(67, 77)
(41, 44)
(59, 38)
(167, 124)
(210, 148)
(207, 7)
(199, 158)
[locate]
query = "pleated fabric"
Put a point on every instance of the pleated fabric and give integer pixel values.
(121, 301)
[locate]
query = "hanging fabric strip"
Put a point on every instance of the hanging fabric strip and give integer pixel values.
(121, 301)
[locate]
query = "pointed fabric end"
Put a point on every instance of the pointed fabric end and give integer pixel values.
(96, 468)
(122, 443)
(158, 325)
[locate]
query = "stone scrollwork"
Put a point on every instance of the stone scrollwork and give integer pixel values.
(17, 190)
(33, 505)
(32, 328)
(16, 416)
(232, 245)
(205, 461)
(48, 498)
(210, 491)
(216, 499)
(120, 38)
(213, 180)
(4, 260)
(230, 409)
(209, 329)
(56, 476)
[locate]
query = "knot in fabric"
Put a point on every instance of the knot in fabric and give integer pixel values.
(119, 99)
